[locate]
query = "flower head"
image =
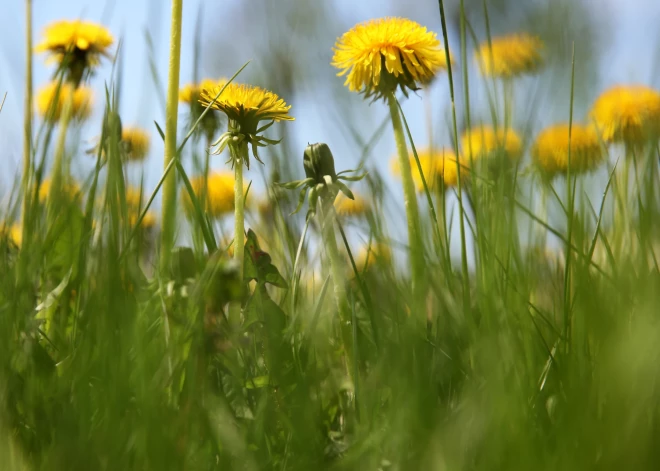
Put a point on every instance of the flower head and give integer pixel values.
(484, 142)
(219, 193)
(13, 233)
(134, 206)
(135, 142)
(378, 253)
(245, 106)
(510, 56)
(351, 207)
(77, 44)
(52, 110)
(629, 114)
(378, 55)
(439, 167)
(71, 190)
(550, 151)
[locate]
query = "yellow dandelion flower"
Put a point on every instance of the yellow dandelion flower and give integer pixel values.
(351, 207)
(377, 254)
(71, 190)
(247, 105)
(136, 143)
(133, 197)
(148, 221)
(629, 114)
(485, 142)
(13, 233)
(378, 55)
(81, 43)
(438, 166)
(550, 151)
(49, 109)
(510, 56)
(219, 193)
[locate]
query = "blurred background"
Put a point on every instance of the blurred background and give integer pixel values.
(289, 43)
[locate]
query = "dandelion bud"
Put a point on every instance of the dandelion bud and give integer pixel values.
(318, 162)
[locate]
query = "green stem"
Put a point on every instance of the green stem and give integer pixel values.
(171, 111)
(409, 195)
(330, 242)
(27, 122)
(239, 224)
(57, 176)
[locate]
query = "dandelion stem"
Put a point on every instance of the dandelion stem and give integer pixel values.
(240, 157)
(409, 196)
(57, 175)
(172, 108)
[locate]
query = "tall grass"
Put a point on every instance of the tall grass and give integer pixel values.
(532, 357)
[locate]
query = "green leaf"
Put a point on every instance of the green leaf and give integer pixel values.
(257, 382)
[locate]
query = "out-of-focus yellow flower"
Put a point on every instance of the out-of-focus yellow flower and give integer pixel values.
(377, 254)
(136, 143)
(379, 55)
(219, 193)
(190, 92)
(46, 104)
(80, 43)
(628, 114)
(439, 166)
(485, 142)
(510, 56)
(71, 190)
(351, 207)
(550, 151)
(134, 207)
(13, 233)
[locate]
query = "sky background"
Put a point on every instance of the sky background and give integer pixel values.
(234, 31)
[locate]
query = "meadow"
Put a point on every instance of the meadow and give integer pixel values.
(506, 318)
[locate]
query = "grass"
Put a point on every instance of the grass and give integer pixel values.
(531, 357)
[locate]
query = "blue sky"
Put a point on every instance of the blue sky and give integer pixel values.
(632, 40)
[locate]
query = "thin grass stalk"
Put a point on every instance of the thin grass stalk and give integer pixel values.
(570, 194)
(461, 209)
(409, 195)
(172, 109)
(27, 120)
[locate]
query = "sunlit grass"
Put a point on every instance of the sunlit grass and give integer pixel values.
(524, 336)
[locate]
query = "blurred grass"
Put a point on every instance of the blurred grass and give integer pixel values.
(551, 362)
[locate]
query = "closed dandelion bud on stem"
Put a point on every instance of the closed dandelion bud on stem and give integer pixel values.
(550, 150)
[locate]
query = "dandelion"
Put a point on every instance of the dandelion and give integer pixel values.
(76, 44)
(351, 207)
(380, 55)
(628, 114)
(510, 56)
(550, 151)
(13, 233)
(483, 142)
(70, 190)
(133, 197)
(245, 106)
(219, 188)
(135, 143)
(374, 254)
(49, 108)
(439, 167)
